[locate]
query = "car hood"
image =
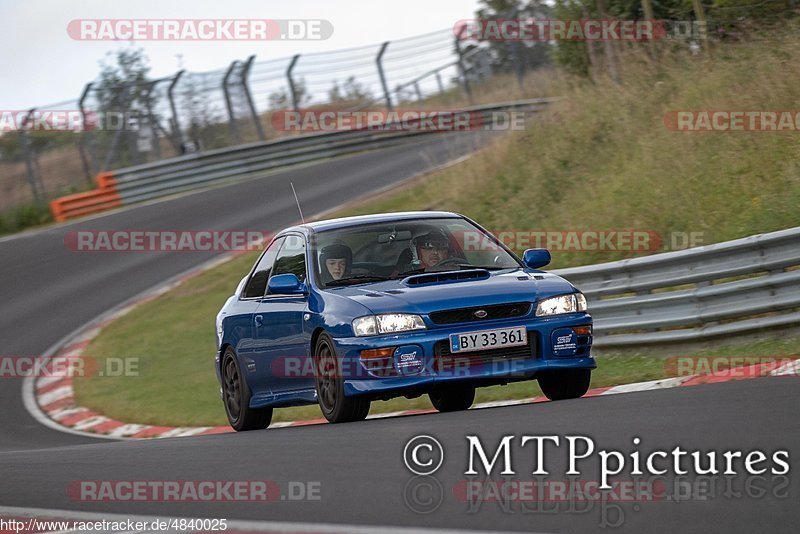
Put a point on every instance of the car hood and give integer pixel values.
(500, 287)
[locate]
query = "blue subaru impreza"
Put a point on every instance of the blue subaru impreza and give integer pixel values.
(348, 311)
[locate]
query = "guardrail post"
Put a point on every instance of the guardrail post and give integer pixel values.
(292, 87)
(379, 61)
(86, 138)
(249, 97)
(28, 155)
(461, 68)
(439, 81)
(228, 103)
(175, 125)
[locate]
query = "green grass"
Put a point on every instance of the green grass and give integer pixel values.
(23, 217)
(599, 159)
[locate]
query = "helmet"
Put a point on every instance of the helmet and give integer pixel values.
(336, 250)
(435, 238)
(427, 237)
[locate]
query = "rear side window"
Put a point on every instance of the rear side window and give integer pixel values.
(257, 285)
(292, 258)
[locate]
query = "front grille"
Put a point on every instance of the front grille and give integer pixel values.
(467, 315)
(447, 360)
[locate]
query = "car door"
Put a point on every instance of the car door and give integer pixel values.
(249, 300)
(280, 327)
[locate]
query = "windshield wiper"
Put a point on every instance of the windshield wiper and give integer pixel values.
(359, 279)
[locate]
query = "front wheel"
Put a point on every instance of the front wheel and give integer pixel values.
(236, 397)
(565, 384)
(330, 386)
(452, 398)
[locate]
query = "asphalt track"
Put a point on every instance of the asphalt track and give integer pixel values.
(47, 291)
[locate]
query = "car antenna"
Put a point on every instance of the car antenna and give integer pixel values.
(298, 203)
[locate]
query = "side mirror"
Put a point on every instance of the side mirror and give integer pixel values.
(285, 284)
(535, 258)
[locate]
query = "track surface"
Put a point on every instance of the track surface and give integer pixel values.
(48, 291)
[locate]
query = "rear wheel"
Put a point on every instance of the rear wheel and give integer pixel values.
(330, 386)
(452, 398)
(236, 397)
(565, 384)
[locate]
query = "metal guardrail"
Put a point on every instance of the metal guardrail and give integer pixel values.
(728, 288)
(144, 182)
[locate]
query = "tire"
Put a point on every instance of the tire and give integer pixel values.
(335, 406)
(565, 384)
(452, 398)
(236, 397)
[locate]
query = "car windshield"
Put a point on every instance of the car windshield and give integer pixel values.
(384, 251)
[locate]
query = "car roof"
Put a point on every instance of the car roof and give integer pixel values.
(345, 222)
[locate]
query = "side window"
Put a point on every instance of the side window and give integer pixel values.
(257, 285)
(292, 258)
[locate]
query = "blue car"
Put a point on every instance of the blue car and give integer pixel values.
(348, 311)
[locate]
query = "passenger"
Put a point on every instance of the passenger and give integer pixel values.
(335, 260)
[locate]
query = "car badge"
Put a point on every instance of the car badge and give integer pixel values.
(481, 314)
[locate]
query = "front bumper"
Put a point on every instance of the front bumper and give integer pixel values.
(421, 360)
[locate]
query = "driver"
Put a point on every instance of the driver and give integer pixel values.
(335, 261)
(431, 248)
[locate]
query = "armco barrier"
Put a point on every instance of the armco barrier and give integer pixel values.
(729, 288)
(105, 197)
(144, 182)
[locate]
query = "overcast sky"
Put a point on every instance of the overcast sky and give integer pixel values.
(42, 65)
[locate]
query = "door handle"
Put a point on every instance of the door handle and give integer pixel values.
(259, 320)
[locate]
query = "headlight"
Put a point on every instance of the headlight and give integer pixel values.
(387, 323)
(572, 303)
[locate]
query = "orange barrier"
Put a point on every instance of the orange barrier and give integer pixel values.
(105, 197)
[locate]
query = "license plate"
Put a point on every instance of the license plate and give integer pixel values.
(489, 339)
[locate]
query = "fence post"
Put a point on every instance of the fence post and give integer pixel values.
(87, 138)
(126, 88)
(416, 89)
(439, 81)
(461, 67)
(27, 154)
(175, 125)
(292, 87)
(228, 104)
(379, 61)
(152, 121)
(249, 97)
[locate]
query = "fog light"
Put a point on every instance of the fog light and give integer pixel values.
(583, 330)
(377, 353)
